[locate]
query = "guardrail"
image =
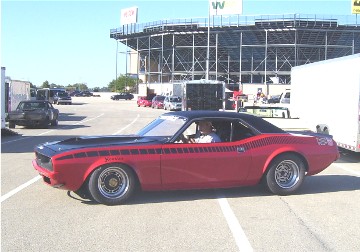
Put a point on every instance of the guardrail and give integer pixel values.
(233, 20)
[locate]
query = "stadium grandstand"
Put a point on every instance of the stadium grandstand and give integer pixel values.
(242, 49)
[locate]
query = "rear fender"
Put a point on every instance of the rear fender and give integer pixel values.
(282, 152)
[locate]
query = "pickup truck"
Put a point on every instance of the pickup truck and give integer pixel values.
(277, 115)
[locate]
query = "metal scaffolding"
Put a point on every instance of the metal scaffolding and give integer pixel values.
(243, 49)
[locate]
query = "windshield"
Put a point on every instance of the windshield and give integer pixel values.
(163, 126)
(31, 105)
(62, 94)
(175, 99)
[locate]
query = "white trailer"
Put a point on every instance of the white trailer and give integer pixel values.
(18, 91)
(326, 96)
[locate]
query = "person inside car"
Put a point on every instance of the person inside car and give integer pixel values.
(207, 135)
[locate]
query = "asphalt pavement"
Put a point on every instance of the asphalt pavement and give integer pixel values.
(322, 216)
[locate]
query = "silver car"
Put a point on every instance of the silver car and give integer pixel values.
(172, 103)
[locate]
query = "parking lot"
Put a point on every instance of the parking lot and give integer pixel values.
(323, 216)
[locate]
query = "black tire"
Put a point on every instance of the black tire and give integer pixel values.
(11, 125)
(285, 175)
(55, 122)
(112, 184)
(45, 123)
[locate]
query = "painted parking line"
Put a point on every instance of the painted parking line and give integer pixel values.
(238, 233)
(127, 126)
(19, 188)
(23, 186)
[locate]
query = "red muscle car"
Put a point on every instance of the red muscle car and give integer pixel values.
(251, 151)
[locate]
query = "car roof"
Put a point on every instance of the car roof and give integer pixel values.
(258, 123)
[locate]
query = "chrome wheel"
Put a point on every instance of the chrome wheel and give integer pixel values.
(287, 174)
(113, 183)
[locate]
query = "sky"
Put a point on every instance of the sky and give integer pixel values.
(68, 42)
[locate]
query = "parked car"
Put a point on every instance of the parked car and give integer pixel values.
(33, 113)
(85, 94)
(62, 98)
(143, 101)
(158, 102)
(74, 93)
(125, 96)
(172, 103)
(109, 169)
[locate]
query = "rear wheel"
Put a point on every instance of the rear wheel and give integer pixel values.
(285, 175)
(55, 122)
(45, 123)
(11, 125)
(112, 184)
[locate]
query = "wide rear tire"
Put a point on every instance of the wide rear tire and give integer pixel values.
(112, 184)
(285, 175)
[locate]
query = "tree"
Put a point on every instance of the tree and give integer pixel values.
(45, 84)
(123, 83)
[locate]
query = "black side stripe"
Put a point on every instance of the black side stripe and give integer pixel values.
(185, 150)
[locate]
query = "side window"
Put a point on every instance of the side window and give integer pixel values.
(223, 129)
(191, 130)
(241, 131)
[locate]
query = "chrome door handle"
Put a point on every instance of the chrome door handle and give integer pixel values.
(240, 149)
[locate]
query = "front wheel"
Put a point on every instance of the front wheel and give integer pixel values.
(285, 174)
(11, 125)
(112, 184)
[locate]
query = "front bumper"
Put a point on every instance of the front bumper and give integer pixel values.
(51, 178)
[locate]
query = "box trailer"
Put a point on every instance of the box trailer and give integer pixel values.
(17, 91)
(326, 96)
(201, 95)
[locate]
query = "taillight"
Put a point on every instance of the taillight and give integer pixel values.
(325, 141)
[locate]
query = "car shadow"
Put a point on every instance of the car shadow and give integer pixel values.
(347, 156)
(312, 185)
(72, 103)
(70, 117)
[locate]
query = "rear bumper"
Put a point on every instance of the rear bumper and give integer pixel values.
(28, 122)
(64, 101)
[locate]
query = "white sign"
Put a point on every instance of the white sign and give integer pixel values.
(129, 16)
(225, 7)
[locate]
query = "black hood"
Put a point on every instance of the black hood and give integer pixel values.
(98, 142)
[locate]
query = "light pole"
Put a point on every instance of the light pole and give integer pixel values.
(126, 66)
(116, 63)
